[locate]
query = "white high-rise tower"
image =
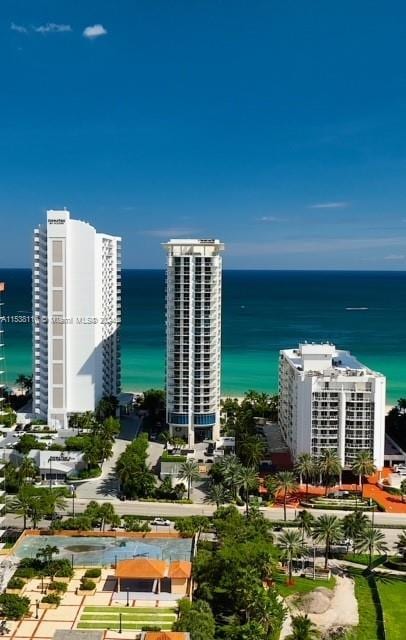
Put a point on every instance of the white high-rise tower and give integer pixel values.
(77, 310)
(193, 338)
(330, 400)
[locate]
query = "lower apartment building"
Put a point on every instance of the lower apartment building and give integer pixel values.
(329, 400)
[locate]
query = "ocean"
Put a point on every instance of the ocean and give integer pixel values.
(263, 312)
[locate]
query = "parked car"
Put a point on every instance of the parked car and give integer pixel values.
(161, 522)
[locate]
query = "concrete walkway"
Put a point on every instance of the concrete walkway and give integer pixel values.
(106, 486)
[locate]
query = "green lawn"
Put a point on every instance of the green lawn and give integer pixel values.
(368, 626)
(109, 610)
(131, 617)
(393, 598)
(114, 624)
(301, 585)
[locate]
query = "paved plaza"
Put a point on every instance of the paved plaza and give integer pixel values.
(105, 608)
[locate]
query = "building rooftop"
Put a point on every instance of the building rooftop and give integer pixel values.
(325, 358)
(151, 569)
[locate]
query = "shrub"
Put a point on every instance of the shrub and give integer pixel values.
(151, 627)
(14, 607)
(52, 598)
(87, 585)
(79, 523)
(60, 568)
(132, 523)
(93, 573)
(62, 587)
(25, 572)
(15, 583)
(30, 563)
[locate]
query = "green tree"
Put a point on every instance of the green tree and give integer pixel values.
(27, 469)
(303, 629)
(153, 401)
(363, 465)
(369, 541)
(305, 467)
(291, 546)
(251, 451)
(27, 442)
(189, 471)
(354, 524)
(21, 503)
(230, 470)
(24, 382)
(306, 521)
(217, 495)
(248, 481)
(46, 553)
(401, 544)
(330, 467)
(14, 607)
(402, 489)
(285, 482)
(327, 529)
(107, 407)
(196, 618)
(53, 501)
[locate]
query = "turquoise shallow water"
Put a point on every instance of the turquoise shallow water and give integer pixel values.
(263, 312)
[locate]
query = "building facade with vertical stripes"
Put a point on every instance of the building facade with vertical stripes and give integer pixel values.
(193, 338)
(77, 315)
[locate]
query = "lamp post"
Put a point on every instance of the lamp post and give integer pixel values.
(50, 472)
(120, 628)
(128, 597)
(36, 609)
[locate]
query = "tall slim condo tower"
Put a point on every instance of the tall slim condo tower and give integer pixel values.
(77, 309)
(193, 338)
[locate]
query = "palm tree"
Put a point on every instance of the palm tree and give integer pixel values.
(218, 495)
(402, 489)
(303, 629)
(107, 515)
(369, 541)
(251, 451)
(20, 504)
(329, 466)
(401, 544)
(283, 481)
(305, 467)
(306, 521)
(291, 545)
(363, 465)
(27, 469)
(189, 471)
(47, 552)
(231, 471)
(354, 524)
(327, 529)
(249, 480)
(54, 501)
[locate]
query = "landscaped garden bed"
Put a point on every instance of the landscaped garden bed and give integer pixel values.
(344, 504)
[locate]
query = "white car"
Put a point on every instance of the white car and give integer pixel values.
(161, 522)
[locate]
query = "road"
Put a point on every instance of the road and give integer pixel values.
(105, 487)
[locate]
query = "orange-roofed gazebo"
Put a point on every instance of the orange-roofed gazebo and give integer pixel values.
(166, 635)
(152, 575)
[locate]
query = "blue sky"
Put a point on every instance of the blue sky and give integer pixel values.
(277, 126)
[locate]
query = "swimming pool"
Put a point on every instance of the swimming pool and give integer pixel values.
(89, 550)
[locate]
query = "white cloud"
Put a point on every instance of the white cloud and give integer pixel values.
(395, 256)
(170, 232)
(329, 205)
(18, 27)
(268, 219)
(52, 27)
(94, 31)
